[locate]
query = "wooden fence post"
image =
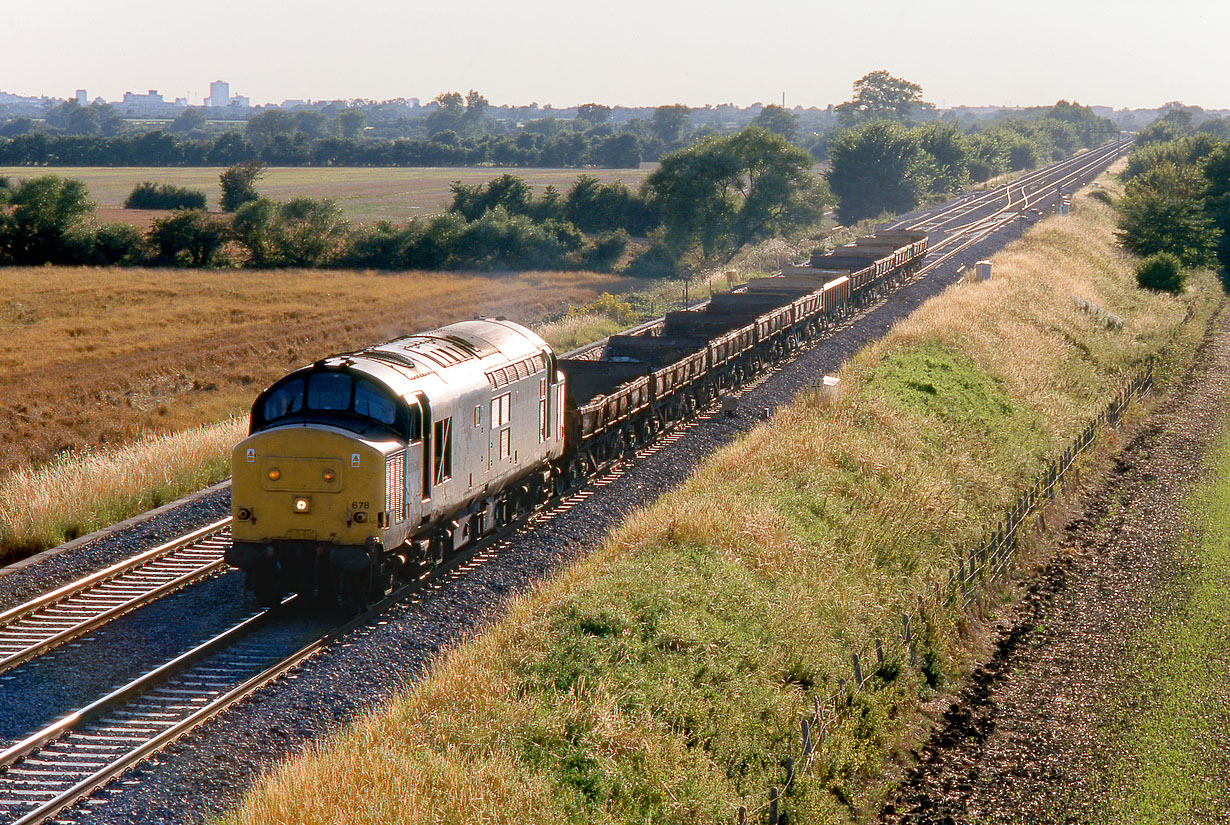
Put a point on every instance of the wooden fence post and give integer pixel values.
(858, 674)
(773, 797)
(806, 741)
(741, 817)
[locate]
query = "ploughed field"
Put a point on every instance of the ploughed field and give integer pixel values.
(364, 194)
(99, 356)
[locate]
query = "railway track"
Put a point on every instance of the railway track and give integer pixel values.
(52, 769)
(44, 623)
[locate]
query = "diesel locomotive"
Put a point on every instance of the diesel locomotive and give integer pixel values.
(372, 466)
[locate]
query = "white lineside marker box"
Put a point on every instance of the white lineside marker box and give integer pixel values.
(982, 270)
(830, 388)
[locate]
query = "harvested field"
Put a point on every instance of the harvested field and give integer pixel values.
(365, 194)
(98, 356)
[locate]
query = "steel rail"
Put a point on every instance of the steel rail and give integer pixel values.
(44, 623)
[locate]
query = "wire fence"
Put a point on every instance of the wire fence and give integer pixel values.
(960, 586)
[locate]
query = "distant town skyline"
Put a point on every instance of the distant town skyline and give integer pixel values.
(1124, 55)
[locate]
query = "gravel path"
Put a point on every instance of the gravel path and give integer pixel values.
(1036, 735)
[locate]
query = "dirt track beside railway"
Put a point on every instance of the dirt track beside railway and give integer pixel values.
(1038, 733)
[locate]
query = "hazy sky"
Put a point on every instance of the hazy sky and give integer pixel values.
(1129, 53)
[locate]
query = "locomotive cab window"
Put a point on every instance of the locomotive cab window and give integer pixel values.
(339, 399)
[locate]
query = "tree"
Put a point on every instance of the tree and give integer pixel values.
(311, 232)
(594, 206)
(239, 184)
(724, 192)
(947, 155)
(350, 122)
(188, 237)
(669, 123)
(303, 232)
(621, 151)
(874, 169)
(1162, 210)
(311, 123)
(189, 120)
(450, 109)
(779, 121)
(46, 220)
(476, 111)
(229, 149)
(880, 95)
(262, 127)
(1216, 171)
(17, 126)
(593, 113)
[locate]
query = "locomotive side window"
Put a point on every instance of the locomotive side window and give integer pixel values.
(443, 449)
(285, 400)
(329, 391)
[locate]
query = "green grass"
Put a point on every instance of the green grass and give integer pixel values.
(1175, 769)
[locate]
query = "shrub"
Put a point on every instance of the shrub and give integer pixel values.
(239, 184)
(150, 195)
(1161, 272)
(117, 244)
(188, 237)
(608, 249)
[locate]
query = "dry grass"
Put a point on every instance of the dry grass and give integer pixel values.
(78, 492)
(93, 359)
(90, 357)
(365, 194)
(662, 678)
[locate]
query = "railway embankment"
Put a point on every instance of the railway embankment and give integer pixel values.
(664, 676)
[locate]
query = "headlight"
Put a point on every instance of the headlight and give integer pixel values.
(274, 473)
(302, 504)
(328, 475)
(243, 514)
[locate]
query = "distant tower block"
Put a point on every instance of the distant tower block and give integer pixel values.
(219, 93)
(983, 268)
(81, 97)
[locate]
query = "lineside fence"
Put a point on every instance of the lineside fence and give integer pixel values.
(961, 587)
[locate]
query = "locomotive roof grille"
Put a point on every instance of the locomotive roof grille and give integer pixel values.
(502, 376)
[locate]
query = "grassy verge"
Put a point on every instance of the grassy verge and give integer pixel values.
(1174, 769)
(80, 492)
(663, 678)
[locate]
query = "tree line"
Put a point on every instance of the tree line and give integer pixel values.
(707, 199)
(890, 165)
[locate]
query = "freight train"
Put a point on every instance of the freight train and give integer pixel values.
(370, 467)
